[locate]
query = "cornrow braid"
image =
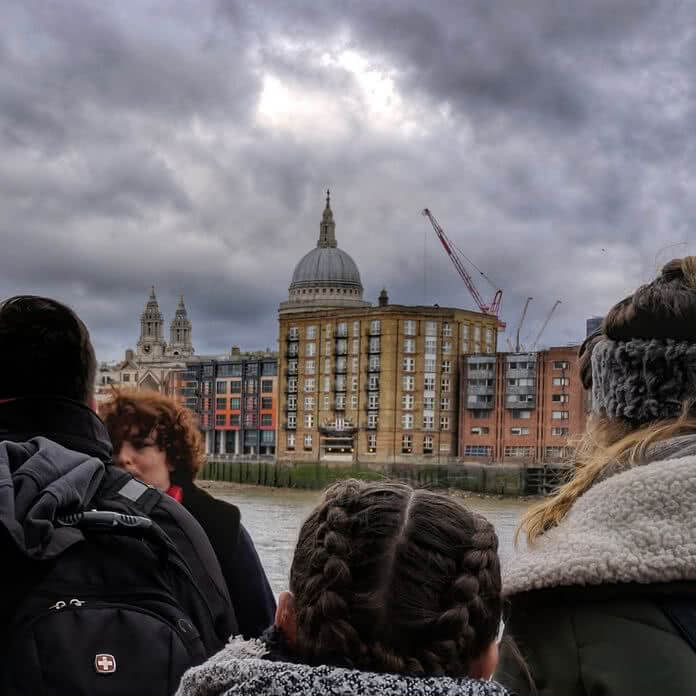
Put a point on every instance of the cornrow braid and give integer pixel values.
(394, 580)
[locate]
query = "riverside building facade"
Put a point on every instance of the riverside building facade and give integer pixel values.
(367, 383)
(521, 407)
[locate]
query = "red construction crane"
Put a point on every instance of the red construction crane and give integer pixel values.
(494, 307)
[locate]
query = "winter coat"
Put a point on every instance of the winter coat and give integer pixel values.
(596, 601)
(250, 592)
(250, 668)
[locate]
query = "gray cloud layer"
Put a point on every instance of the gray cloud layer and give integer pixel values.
(187, 145)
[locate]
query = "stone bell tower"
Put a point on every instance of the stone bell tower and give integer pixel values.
(151, 344)
(180, 344)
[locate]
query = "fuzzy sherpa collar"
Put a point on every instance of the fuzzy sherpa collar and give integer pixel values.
(642, 380)
(634, 527)
(240, 669)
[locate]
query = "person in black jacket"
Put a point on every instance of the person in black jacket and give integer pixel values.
(156, 440)
(56, 463)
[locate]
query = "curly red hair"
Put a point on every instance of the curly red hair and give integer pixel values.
(133, 415)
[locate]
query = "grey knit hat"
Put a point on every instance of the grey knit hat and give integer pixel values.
(643, 380)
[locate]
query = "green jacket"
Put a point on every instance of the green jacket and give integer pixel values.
(600, 641)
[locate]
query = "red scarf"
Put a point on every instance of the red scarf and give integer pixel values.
(177, 493)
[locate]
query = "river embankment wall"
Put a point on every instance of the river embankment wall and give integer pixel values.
(487, 478)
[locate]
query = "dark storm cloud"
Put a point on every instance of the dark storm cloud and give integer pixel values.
(551, 139)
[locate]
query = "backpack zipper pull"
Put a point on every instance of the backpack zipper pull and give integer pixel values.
(58, 605)
(76, 602)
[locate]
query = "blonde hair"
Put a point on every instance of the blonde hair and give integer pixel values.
(607, 443)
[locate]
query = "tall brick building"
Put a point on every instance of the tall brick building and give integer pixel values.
(524, 407)
(365, 383)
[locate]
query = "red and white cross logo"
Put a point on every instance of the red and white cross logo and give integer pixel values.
(105, 664)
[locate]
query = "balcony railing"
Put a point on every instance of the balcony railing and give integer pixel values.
(480, 374)
(480, 390)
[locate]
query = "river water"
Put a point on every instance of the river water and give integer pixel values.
(273, 517)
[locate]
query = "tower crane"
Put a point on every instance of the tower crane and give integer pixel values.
(519, 326)
(492, 308)
(548, 319)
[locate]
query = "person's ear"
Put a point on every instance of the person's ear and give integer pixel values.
(286, 617)
(484, 665)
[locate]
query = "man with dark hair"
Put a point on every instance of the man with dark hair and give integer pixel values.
(76, 532)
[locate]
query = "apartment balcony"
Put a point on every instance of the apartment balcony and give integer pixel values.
(520, 390)
(512, 402)
(479, 390)
(480, 374)
(480, 403)
(520, 374)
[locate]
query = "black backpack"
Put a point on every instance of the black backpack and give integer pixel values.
(119, 612)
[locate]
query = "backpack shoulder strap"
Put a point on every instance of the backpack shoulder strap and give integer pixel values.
(682, 613)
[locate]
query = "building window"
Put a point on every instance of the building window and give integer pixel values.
(372, 442)
(444, 403)
(326, 402)
(517, 452)
(327, 366)
(292, 368)
(221, 419)
(221, 387)
(561, 381)
(560, 365)
(292, 402)
(267, 419)
(559, 415)
(354, 401)
(356, 346)
(308, 441)
(477, 333)
(480, 430)
(480, 413)
(341, 346)
(429, 383)
(409, 365)
(328, 348)
(489, 337)
(292, 384)
(429, 365)
(309, 368)
(311, 332)
(310, 350)
(444, 422)
(236, 386)
(562, 398)
(407, 402)
(126, 378)
(465, 332)
(553, 452)
(431, 328)
(354, 383)
(342, 329)
(372, 420)
(309, 384)
(235, 419)
(375, 327)
(373, 382)
(407, 421)
(447, 346)
(292, 420)
(561, 432)
(518, 413)
(428, 422)
(220, 404)
(354, 363)
(291, 441)
(267, 403)
(251, 386)
(428, 403)
(519, 430)
(373, 363)
(293, 333)
(340, 382)
(409, 345)
(234, 403)
(446, 367)
(410, 328)
(446, 328)
(430, 345)
(267, 385)
(409, 383)
(478, 451)
(374, 344)
(427, 444)
(309, 420)
(309, 403)
(406, 444)
(327, 384)
(356, 328)
(445, 384)
(373, 401)
(327, 330)
(340, 402)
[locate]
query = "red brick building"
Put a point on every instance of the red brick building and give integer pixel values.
(524, 407)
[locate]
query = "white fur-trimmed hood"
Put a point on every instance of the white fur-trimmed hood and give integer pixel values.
(240, 669)
(638, 526)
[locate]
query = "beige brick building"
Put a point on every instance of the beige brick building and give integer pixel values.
(367, 383)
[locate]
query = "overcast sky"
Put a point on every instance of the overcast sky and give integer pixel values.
(188, 144)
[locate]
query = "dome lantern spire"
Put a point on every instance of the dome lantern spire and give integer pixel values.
(327, 227)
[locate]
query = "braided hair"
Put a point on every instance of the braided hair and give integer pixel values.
(391, 579)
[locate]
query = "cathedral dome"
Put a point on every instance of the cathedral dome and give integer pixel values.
(326, 275)
(326, 267)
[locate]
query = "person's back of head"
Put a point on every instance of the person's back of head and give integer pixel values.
(45, 349)
(390, 579)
